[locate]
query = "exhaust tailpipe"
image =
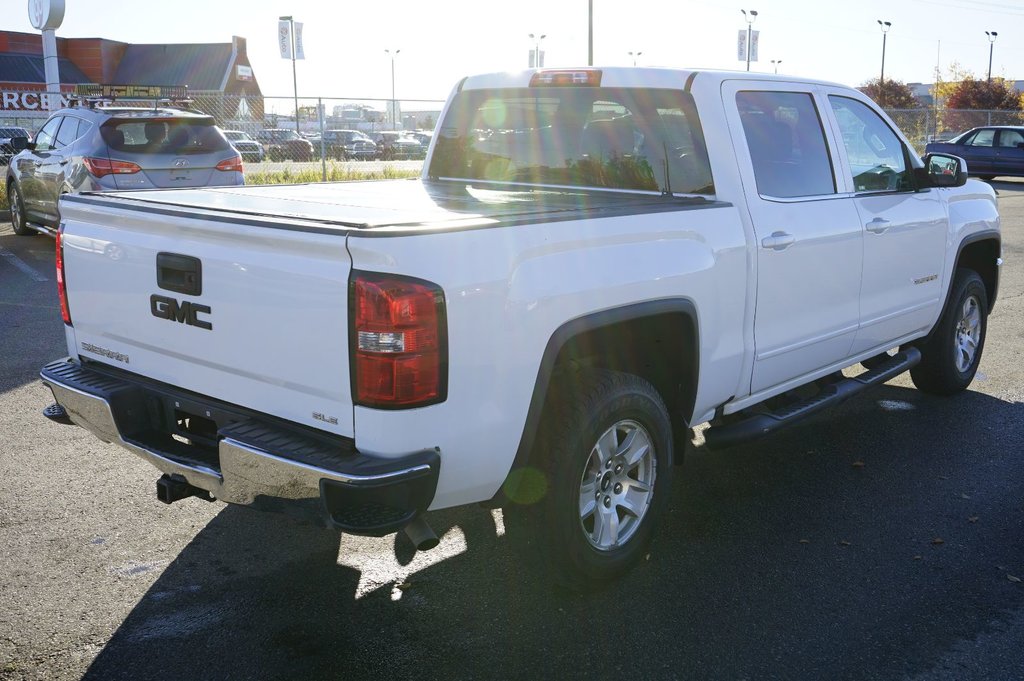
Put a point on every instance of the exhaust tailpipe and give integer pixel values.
(419, 532)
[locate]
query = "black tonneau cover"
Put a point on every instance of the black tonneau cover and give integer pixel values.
(389, 206)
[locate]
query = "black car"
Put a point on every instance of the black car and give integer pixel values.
(990, 151)
(6, 135)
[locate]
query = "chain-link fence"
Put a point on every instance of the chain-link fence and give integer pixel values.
(922, 126)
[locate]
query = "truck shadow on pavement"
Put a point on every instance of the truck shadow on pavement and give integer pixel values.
(872, 542)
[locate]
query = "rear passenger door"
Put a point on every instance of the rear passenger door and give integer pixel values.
(809, 236)
(52, 166)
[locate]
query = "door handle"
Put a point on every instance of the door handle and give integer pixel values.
(877, 226)
(778, 241)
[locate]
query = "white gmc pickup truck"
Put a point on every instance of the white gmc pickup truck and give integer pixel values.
(593, 262)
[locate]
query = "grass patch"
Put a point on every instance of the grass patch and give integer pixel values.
(335, 173)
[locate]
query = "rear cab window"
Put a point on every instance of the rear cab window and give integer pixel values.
(164, 135)
(609, 138)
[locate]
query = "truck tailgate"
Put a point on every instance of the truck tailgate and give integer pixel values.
(252, 316)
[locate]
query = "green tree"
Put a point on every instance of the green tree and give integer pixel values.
(891, 94)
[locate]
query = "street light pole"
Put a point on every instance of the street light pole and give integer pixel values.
(295, 79)
(991, 43)
(635, 56)
(775, 63)
(885, 26)
(590, 32)
(750, 17)
(394, 107)
(536, 49)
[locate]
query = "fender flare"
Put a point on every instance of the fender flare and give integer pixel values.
(590, 322)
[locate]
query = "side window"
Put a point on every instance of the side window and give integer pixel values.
(877, 158)
(46, 138)
(982, 138)
(787, 144)
(68, 132)
(1010, 138)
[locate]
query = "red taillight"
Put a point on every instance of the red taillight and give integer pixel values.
(399, 341)
(101, 167)
(579, 78)
(62, 290)
(233, 163)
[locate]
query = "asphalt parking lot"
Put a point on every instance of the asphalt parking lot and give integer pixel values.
(883, 540)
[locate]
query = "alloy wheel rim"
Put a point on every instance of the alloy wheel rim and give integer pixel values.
(617, 485)
(15, 208)
(967, 334)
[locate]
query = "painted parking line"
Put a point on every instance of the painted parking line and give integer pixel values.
(21, 265)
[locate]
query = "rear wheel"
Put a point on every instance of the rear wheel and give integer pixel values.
(18, 211)
(987, 178)
(950, 357)
(606, 449)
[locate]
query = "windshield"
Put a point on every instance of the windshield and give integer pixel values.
(163, 136)
(237, 136)
(281, 135)
(615, 138)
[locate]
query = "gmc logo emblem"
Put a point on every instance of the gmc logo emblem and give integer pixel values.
(186, 312)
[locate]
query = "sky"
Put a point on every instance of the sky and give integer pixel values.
(443, 40)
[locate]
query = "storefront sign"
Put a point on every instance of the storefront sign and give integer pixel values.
(243, 72)
(31, 101)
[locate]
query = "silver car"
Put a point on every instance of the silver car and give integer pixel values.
(82, 149)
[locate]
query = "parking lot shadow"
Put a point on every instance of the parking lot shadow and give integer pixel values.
(872, 542)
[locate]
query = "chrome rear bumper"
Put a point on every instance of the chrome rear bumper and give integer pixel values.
(356, 493)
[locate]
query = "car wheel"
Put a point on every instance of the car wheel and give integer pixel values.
(18, 211)
(987, 178)
(605, 449)
(950, 356)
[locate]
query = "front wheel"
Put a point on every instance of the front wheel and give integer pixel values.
(950, 357)
(606, 447)
(18, 211)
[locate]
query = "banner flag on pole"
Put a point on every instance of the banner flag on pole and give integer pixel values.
(741, 46)
(299, 54)
(753, 45)
(284, 39)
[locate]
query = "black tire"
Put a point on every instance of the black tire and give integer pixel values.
(585, 406)
(18, 211)
(987, 178)
(946, 369)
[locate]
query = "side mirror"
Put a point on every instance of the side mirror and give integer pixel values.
(20, 144)
(945, 170)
